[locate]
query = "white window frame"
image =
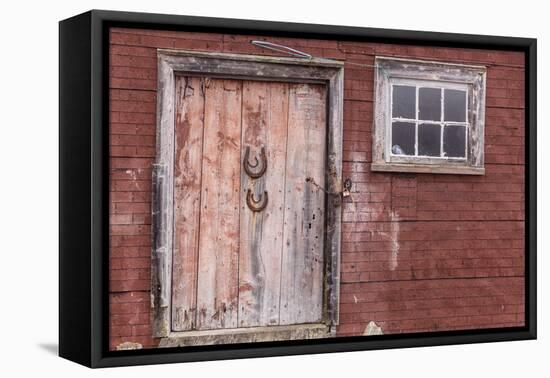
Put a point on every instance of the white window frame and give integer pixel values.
(417, 73)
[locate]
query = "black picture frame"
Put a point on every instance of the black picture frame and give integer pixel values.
(84, 188)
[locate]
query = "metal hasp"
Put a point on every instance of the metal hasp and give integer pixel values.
(247, 166)
(253, 204)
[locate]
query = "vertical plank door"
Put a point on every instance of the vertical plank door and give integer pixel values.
(234, 267)
(304, 218)
(264, 125)
(189, 129)
(217, 285)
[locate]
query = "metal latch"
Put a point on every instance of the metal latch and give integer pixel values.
(346, 192)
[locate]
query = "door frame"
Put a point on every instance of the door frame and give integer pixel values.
(172, 63)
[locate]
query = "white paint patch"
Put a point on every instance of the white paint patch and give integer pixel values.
(131, 173)
(394, 238)
(129, 346)
(355, 299)
(372, 329)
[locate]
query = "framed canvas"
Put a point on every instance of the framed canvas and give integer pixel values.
(234, 188)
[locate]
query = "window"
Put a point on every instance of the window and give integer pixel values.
(429, 117)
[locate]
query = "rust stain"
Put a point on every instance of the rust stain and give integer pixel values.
(225, 141)
(246, 287)
(183, 127)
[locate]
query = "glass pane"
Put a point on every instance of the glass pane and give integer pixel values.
(429, 104)
(454, 141)
(404, 102)
(455, 105)
(402, 138)
(429, 140)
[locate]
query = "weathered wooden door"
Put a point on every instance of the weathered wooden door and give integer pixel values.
(249, 214)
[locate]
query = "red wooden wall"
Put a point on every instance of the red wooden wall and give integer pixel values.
(420, 252)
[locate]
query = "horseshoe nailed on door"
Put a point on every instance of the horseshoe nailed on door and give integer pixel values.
(261, 203)
(248, 167)
(254, 205)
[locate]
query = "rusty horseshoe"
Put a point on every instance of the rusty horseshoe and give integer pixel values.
(253, 204)
(247, 166)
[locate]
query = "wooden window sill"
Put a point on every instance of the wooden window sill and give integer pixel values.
(416, 168)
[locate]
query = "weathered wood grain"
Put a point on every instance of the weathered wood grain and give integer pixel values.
(264, 125)
(476, 117)
(179, 54)
(217, 286)
(246, 335)
(252, 67)
(162, 205)
(333, 174)
(188, 143)
(304, 218)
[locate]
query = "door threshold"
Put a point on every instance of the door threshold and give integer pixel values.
(248, 335)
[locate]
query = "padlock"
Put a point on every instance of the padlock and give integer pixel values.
(347, 186)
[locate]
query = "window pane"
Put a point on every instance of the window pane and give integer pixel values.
(429, 104)
(402, 138)
(404, 102)
(429, 140)
(455, 105)
(454, 141)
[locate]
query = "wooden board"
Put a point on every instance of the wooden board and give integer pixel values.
(264, 124)
(304, 218)
(217, 286)
(189, 127)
